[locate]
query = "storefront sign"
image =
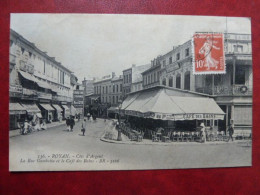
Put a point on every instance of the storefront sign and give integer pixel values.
(172, 67)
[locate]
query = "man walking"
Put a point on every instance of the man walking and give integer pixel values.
(72, 123)
(230, 132)
(84, 126)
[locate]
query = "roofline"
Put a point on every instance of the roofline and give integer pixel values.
(174, 89)
(32, 45)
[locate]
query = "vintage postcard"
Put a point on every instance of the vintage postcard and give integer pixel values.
(129, 92)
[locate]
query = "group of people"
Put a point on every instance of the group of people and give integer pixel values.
(28, 126)
(230, 132)
(70, 122)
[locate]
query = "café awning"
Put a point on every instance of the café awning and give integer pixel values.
(57, 107)
(113, 110)
(73, 110)
(158, 104)
(47, 107)
(31, 108)
(16, 108)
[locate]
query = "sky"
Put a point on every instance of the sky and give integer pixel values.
(95, 45)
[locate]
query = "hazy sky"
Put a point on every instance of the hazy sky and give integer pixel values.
(94, 45)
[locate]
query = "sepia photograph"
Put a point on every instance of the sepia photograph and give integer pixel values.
(129, 92)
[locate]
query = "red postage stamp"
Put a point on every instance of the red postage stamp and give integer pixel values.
(208, 53)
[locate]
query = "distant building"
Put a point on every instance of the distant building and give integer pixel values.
(132, 78)
(116, 90)
(78, 98)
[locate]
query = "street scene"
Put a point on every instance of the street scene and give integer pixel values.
(58, 140)
(94, 94)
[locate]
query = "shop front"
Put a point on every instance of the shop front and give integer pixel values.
(65, 111)
(47, 112)
(17, 114)
(172, 109)
(57, 112)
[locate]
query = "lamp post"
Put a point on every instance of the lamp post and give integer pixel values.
(119, 138)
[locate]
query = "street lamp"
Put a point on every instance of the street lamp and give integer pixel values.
(119, 138)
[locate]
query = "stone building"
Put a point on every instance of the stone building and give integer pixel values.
(38, 83)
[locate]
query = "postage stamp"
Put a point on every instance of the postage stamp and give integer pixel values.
(208, 53)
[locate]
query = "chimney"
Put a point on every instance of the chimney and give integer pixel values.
(113, 74)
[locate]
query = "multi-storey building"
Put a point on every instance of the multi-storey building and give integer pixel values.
(132, 78)
(232, 91)
(116, 90)
(37, 82)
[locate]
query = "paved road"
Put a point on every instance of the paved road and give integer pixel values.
(92, 153)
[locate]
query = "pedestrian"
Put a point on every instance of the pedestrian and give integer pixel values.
(88, 115)
(25, 127)
(230, 132)
(68, 123)
(203, 132)
(84, 126)
(72, 123)
(91, 118)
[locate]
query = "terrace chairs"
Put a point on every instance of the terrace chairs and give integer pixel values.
(166, 138)
(155, 138)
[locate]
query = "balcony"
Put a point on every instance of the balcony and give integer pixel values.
(29, 92)
(43, 95)
(15, 89)
(239, 90)
(61, 98)
(26, 67)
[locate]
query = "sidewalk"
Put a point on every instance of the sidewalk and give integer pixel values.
(126, 140)
(49, 125)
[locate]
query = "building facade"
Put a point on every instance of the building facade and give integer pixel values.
(116, 90)
(132, 78)
(78, 98)
(37, 81)
(232, 91)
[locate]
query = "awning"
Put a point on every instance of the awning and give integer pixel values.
(113, 110)
(73, 110)
(57, 107)
(65, 107)
(43, 84)
(31, 108)
(34, 79)
(28, 76)
(16, 108)
(158, 104)
(47, 107)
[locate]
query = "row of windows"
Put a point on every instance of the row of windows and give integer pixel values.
(106, 90)
(151, 78)
(178, 57)
(127, 78)
(111, 99)
(128, 90)
(40, 64)
(178, 81)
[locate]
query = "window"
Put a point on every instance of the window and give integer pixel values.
(164, 63)
(103, 90)
(170, 60)
(126, 78)
(158, 76)
(164, 82)
(22, 50)
(120, 87)
(240, 76)
(106, 89)
(187, 52)
(238, 48)
(187, 80)
(130, 78)
(178, 56)
(149, 79)
(116, 99)
(113, 88)
(113, 99)
(116, 88)
(43, 66)
(152, 78)
(171, 82)
(178, 81)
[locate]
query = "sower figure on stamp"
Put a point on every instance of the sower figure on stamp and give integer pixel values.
(230, 132)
